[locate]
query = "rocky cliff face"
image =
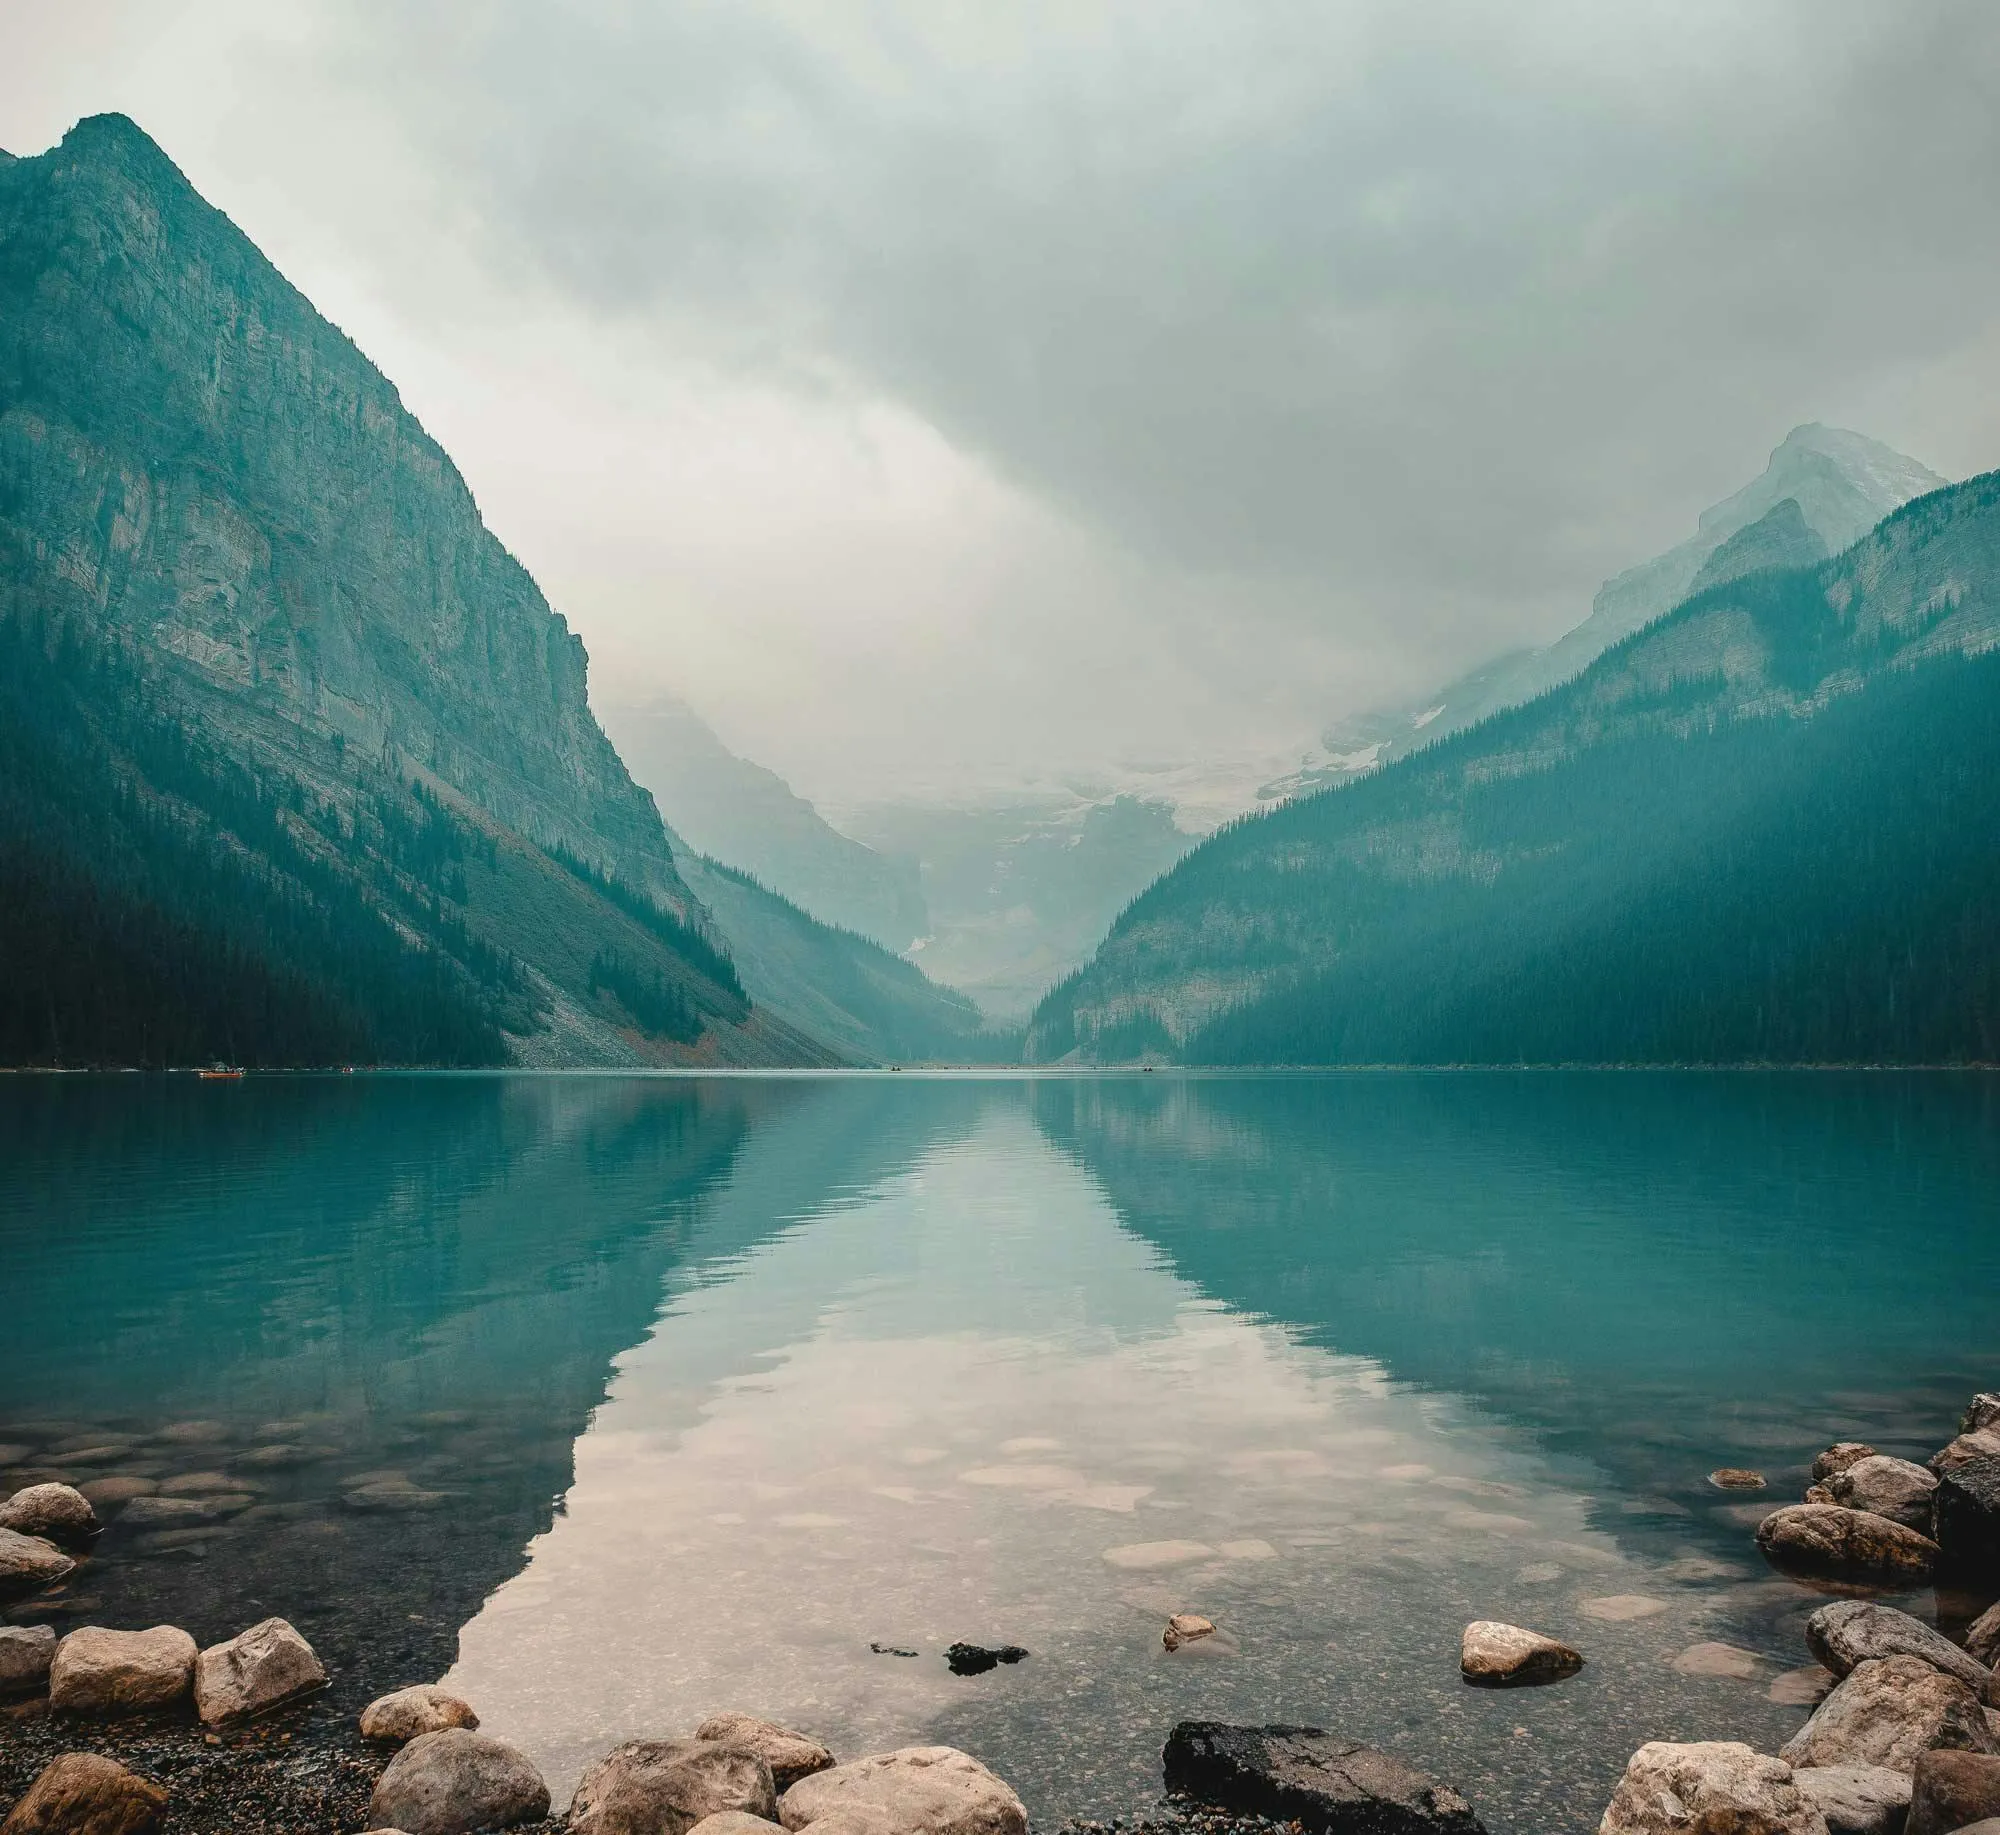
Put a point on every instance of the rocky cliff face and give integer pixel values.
(194, 459)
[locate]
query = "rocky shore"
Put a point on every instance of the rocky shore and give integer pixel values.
(111, 1731)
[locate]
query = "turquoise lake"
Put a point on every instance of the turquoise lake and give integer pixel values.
(618, 1400)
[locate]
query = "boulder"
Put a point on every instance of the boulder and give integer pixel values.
(1186, 1628)
(1982, 1445)
(121, 1672)
(1982, 1636)
(56, 1513)
(25, 1653)
(453, 1781)
(81, 1793)
(1889, 1487)
(1982, 1413)
(791, 1756)
(1305, 1775)
(1856, 1799)
(253, 1672)
(1852, 1631)
(408, 1713)
(1717, 1785)
(1736, 1478)
(916, 1790)
(1838, 1457)
(27, 1562)
(1493, 1655)
(1952, 1789)
(1968, 1519)
(666, 1786)
(1886, 1713)
(736, 1822)
(1832, 1539)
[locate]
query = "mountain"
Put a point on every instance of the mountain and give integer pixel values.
(1020, 888)
(730, 809)
(1757, 830)
(1842, 485)
(296, 763)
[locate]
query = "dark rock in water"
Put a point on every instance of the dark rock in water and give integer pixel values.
(1838, 1457)
(84, 1794)
(25, 1654)
(666, 1786)
(1852, 1631)
(1952, 1790)
(1309, 1776)
(451, 1782)
(976, 1659)
(1968, 1519)
(891, 1650)
(1831, 1539)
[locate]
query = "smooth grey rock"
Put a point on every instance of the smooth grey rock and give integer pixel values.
(917, 1790)
(27, 1562)
(1852, 1631)
(1718, 1785)
(1308, 1776)
(791, 1756)
(1496, 1655)
(57, 1513)
(666, 1786)
(451, 1782)
(1886, 1713)
(1952, 1790)
(1856, 1799)
(1832, 1539)
(1838, 1457)
(409, 1713)
(1981, 1445)
(25, 1654)
(82, 1793)
(96, 1671)
(1889, 1487)
(1982, 1636)
(253, 1672)
(1968, 1519)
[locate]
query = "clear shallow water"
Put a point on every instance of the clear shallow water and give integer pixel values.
(626, 1399)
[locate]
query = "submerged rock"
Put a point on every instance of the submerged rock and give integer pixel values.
(1713, 1659)
(25, 1654)
(1802, 1688)
(791, 1756)
(57, 1513)
(1889, 1487)
(1736, 1478)
(255, 1671)
(1857, 1799)
(1968, 1519)
(918, 1790)
(96, 1671)
(1711, 1785)
(666, 1786)
(1838, 1457)
(1186, 1628)
(1852, 1631)
(27, 1562)
(1952, 1790)
(1305, 1775)
(1832, 1539)
(82, 1793)
(409, 1713)
(1887, 1712)
(976, 1659)
(182, 1512)
(1494, 1655)
(452, 1782)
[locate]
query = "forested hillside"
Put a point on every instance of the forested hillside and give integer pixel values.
(1760, 830)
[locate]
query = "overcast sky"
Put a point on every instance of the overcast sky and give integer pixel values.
(958, 391)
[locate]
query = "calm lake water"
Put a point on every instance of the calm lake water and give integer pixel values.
(617, 1400)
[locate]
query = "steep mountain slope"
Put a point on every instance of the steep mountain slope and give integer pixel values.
(305, 768)
(1843, 483)
(731, 809)
(867, 1003)
(1758, 830)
